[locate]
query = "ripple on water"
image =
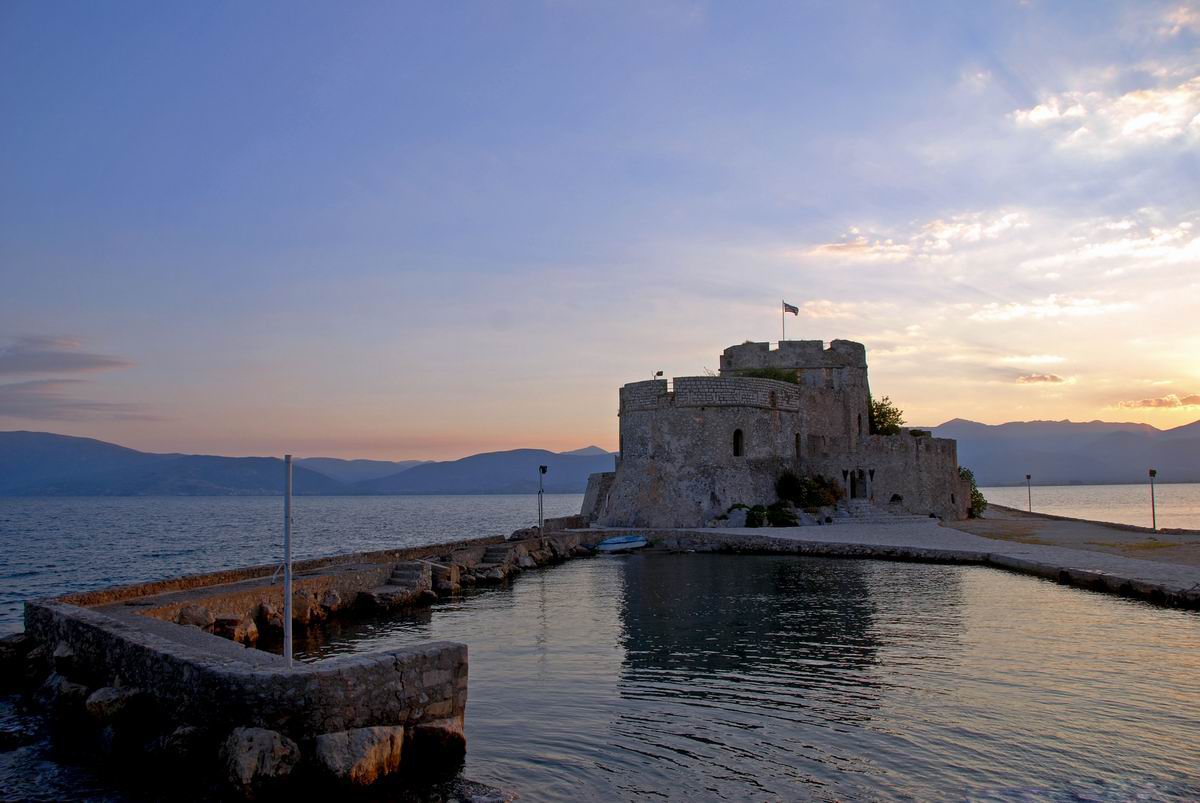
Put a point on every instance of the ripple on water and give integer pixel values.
(714, 677)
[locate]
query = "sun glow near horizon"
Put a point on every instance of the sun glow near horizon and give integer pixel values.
(338, 258)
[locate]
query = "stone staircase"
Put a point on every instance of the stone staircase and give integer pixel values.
(496, 563)
(862, 511)
(497, 555)
(409, 580)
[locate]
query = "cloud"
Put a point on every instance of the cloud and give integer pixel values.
(824, 308)
(931, 240)
(1169, 401)
(49, 400)
(1033, 359)
(1106, 124)
(1052, 306)
(861, 249)
(1037, 379)
(46, 355)
(1132, 244)
(1183, 18)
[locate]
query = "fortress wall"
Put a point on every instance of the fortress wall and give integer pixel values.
(678, 466)
(922, 471)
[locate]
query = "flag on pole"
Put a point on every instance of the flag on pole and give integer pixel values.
(789, 308)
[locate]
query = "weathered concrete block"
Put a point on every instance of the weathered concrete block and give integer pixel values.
(110, 705)
(438, 747)
(196, 616)
(361, 756)
(257, 758)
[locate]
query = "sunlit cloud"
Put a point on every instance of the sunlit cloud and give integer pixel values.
(1171, 400)
(1128, 244)
(1183, 18)
(1105, 124)
(1039, 379)
(931, 240)
(1052, 306)
(861, 249)
(1033, 359)
(824, 308)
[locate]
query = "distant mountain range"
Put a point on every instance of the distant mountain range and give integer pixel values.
(1054, 452)
(45, 464)
(1068, 452)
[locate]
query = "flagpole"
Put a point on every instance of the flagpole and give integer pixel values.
(782, 321)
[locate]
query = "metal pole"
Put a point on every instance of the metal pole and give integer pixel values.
(287, 562)
(1029, 491)
(782, 322)
(1153, 512)
(541, 517)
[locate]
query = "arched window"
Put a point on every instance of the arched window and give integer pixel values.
(797, 445)
(860, 425)
(774, 400)
(739, 445)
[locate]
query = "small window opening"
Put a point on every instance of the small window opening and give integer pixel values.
(860, 425)
(797, 445)
(738, 443)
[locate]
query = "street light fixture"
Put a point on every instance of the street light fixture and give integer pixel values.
(1153, 512)
(541, 510)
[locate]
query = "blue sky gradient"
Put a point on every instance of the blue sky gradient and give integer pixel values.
(427, 229)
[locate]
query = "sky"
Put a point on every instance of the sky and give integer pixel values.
(423, 230)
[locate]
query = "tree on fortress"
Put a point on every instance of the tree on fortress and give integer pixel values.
(978, 501)
(886, 418)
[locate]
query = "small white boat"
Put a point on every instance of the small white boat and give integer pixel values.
(621, 543)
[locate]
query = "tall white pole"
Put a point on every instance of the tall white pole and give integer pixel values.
(1029, 491)
(541, 516)
(782, 322)
(287, 562)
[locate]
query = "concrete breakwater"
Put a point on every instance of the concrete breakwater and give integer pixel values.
(161, 678)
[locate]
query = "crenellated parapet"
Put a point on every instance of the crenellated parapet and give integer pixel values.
(794, 355)
(711, 391)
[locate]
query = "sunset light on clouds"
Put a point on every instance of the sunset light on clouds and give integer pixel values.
(427, 230)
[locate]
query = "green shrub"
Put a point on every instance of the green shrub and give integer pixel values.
(885, 417)
(807, 492)
(778, 374)
(756, 516)
(978, 501)
(780, 515)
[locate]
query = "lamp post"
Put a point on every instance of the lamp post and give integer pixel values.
(657, 374)
(1029, 491)
(1153, 512)
(287, 560)
(541, 516)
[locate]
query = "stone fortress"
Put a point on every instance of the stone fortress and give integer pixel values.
(692, 447)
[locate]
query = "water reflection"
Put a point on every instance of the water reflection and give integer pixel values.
(702, 677)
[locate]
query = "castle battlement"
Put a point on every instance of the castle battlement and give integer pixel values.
(711, 391)
(794, 355)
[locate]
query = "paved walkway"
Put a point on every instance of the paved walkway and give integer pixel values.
(929, 540)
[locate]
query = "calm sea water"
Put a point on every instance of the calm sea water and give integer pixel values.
(698, 677)
(54, 546)
(1178, 504)
(702, 677)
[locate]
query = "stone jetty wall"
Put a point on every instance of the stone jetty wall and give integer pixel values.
(144, 672)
